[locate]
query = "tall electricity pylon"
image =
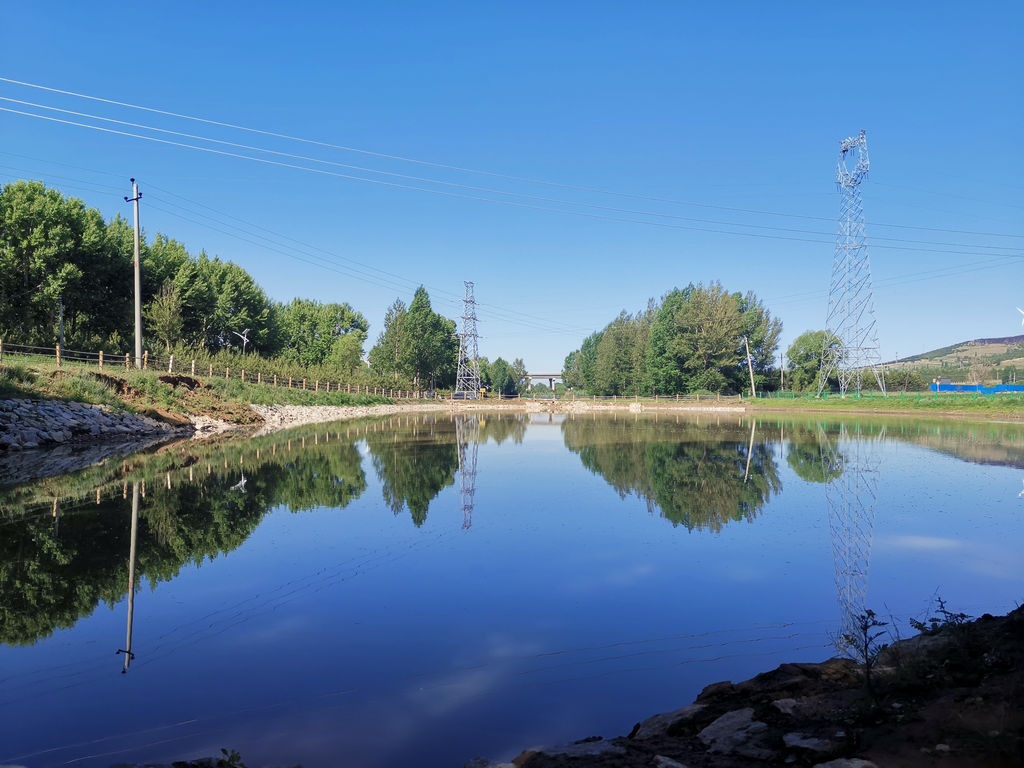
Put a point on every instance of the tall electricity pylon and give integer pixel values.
(851, 469)
(851, 338)
(467, 436)
(467, 379)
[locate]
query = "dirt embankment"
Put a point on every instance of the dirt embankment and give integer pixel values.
(951, 697)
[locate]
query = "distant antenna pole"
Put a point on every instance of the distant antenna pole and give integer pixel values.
(851, 338)
(467, 379)
(136, 196)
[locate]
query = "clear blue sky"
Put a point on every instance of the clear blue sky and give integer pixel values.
(735, 105)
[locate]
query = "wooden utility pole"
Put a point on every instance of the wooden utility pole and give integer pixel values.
(60, 309)
(750, 367)
(136, 196)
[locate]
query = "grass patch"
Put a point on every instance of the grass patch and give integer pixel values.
(922, 402)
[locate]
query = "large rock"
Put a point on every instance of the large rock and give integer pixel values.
(800, 741)
(737, 733)
(584, 747)
(659, 724)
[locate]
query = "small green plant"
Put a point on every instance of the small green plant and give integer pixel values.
(945, 618)
(866, 647)
(230, 760)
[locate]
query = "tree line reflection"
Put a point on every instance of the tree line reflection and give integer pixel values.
(64, 541)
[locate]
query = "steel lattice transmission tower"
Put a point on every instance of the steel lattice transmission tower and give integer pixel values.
(467, 379)
(851, 337)
(851, 468)
(467, 436)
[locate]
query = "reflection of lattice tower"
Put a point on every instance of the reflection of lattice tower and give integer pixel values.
(851, 339)
(467, 379)
(851, 494)
(467, 436)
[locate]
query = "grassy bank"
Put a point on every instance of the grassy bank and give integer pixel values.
(159, 395)
(1009, 405)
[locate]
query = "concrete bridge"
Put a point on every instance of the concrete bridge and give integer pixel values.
(551, 377)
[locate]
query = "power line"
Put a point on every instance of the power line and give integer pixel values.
(471, 197)
(400, 158)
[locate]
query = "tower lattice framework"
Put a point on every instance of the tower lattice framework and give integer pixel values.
(851, 469)
(467, 379)
(467, 437)
(851, 336)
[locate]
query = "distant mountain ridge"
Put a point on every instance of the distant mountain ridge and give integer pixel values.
(1009, 342)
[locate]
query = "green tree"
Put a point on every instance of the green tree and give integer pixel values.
(431, 351)
(386, 355)
(803, 359)
(313, 333)
(163, 315)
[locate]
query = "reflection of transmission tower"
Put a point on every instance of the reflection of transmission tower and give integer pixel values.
(851, 494)
(851, 338)
(467, 435)
(467, 379)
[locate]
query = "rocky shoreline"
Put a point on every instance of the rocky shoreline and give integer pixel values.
(952, 696)
(30, 424)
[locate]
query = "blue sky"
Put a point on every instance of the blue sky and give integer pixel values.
(717, 107)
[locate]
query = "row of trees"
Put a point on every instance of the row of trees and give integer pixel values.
(55, 248)
(693, 340)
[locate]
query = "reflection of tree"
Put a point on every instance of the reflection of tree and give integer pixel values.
(811, 462)
(414, 462)
(48, 580)
(501, 428)
(695, 476)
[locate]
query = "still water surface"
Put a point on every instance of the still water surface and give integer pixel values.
(355, 594)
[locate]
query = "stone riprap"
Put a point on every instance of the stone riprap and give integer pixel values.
(26, 466)
(32, 424)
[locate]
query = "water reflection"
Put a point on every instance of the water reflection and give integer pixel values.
(564, 598)
(850, 471)
(698, 476)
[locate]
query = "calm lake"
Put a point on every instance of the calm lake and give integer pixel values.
(418, 591)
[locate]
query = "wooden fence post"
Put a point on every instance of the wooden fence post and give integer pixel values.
(127, 361)
(170, 365)
(289, 382)
(227, 373)
(317, 389)
(145, 360)
(1, 350)
(303, 383)
(211, 370)
(259, 377)
(193, 367)
(275, 379)
(101, 357)
(243, 374)
(348, 389)
(58, 355)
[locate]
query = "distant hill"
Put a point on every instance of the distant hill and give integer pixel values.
(992, 351)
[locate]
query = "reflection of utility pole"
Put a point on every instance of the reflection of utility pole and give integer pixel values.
(750, 367)
(127, 650)
(750, 448)
(467, 436)
(851, 494)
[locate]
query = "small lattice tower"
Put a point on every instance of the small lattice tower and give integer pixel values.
(851, 337)
(851, 468)
(467, 437)
(467, 380)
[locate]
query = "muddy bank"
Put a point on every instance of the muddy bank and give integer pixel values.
(952, 696)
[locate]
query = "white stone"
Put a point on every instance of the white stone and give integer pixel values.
(737, 733)
(660, 761)
(658, 725)
(807, 742)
